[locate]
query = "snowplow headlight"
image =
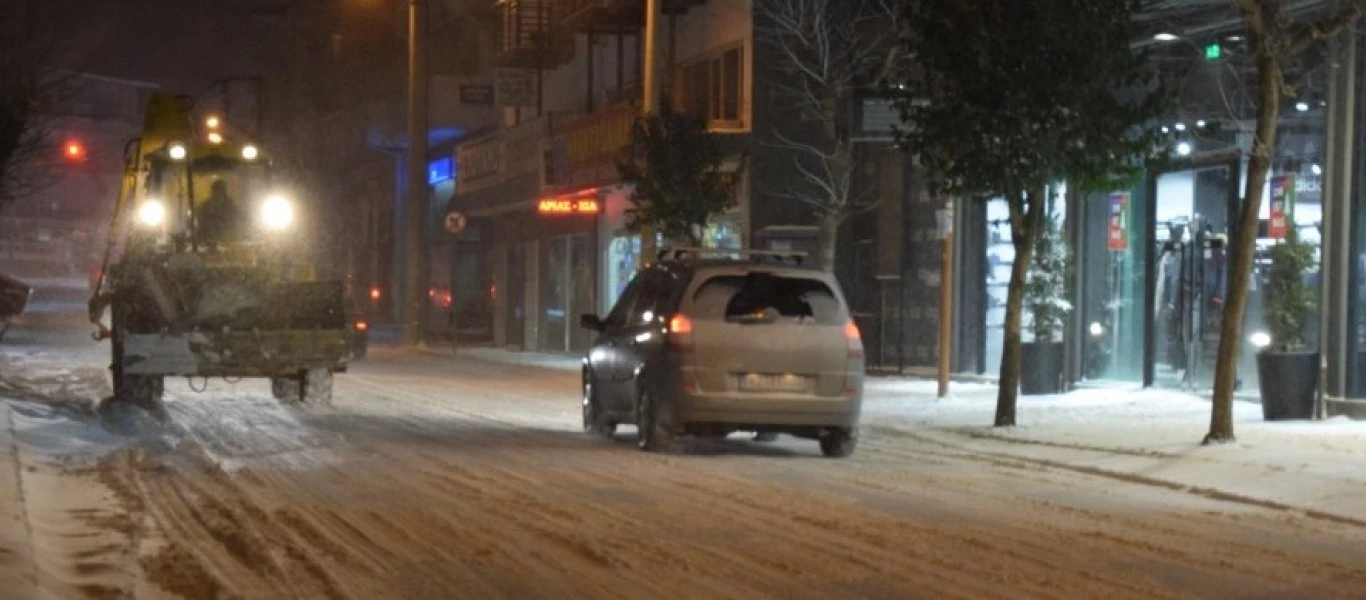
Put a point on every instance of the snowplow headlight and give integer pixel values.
(177, 151)
(249, 152)
(277, 212)
(152, 213)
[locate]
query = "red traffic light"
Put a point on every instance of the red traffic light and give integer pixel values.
(73, 151)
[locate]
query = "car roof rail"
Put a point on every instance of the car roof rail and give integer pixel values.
(691, 253)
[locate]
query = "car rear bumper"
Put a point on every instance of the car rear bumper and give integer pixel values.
(768, 410)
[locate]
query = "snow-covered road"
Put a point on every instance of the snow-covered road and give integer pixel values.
(442, 477)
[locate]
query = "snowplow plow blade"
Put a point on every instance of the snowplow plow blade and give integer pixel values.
(246, 353)
(241, 328)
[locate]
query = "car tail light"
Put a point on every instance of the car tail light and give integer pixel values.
(362, 326)
(854, 340)
(680, 333)
(680, 324)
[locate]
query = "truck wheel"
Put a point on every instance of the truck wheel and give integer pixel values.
(317, 386)
(143, 391)
(285, 389)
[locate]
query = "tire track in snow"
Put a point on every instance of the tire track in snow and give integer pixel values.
(436, 488)
(798, 538)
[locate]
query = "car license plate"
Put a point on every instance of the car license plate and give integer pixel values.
(764, 382)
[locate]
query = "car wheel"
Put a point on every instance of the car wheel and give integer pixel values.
(652, 425)
(839, 443)
(594, 421)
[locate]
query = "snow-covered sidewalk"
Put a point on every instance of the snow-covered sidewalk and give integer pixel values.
(1147, 436)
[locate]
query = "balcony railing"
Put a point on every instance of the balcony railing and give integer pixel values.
(528, 36)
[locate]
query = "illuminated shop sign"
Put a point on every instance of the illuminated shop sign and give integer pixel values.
(440, 170)
(583, 203)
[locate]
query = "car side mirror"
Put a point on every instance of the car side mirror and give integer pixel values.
(590, 322)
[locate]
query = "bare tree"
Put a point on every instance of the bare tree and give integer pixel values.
(32, 89)
(828, 50)
(1276, 41)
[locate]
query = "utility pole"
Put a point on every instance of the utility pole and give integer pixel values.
(414, 299)
(945, 217)
(649, 105)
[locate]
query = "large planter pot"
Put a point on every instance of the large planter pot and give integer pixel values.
(1289, 383)
(1041, 368)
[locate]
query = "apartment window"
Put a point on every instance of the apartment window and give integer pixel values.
(712, 88)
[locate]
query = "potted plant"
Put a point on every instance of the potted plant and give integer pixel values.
(1041, 360)
(1287, 369)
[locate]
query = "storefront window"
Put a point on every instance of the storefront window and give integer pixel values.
(1000, 258)
(1300, 197)
(555, 296)
(1111, 263)
(1187, 226)
(723, 232)
(1190, 274)
(581, 295)
(1000, 261)
(623, 255)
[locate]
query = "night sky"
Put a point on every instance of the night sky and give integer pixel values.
(182, 44)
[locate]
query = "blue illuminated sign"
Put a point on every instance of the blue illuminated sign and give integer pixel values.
(440, 170)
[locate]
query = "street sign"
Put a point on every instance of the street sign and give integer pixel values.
(943, 221)
(513, 87)
(1117, 240)
(1282, 206)
(477, 94)
(454, 222)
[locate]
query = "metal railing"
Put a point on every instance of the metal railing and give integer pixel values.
(694, 253)
(526, 25)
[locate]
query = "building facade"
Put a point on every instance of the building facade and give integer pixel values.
(545, 210)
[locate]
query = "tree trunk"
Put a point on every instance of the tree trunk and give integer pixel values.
(1269, 81)
(826, 239)
(1025, 216)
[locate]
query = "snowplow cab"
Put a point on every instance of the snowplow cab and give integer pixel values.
(204, 270)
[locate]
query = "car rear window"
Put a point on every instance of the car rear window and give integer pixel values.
(738, 297)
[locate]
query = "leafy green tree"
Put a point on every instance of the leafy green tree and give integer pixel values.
(1276, 40)
(675, 168)
(1007, 98)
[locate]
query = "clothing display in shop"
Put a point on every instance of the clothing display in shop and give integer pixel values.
(1190, 291)
(1171, 295)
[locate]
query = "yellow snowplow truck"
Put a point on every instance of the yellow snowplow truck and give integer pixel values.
(201, 274)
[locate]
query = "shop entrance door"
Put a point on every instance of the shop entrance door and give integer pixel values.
(1189, 229)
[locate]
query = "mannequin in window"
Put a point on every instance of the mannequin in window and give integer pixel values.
(1170, 296)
